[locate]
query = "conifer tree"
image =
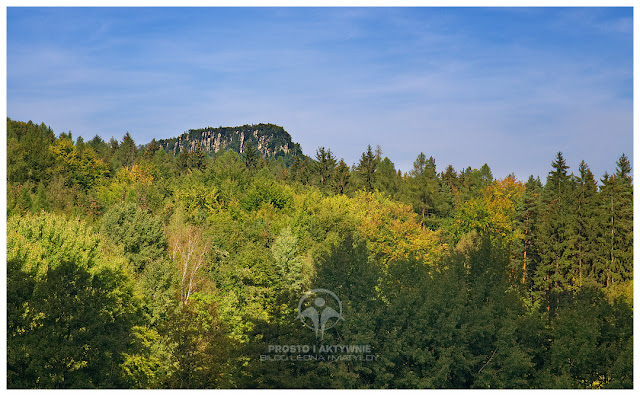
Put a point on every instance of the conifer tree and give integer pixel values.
(553, 271)
(251, 157)
(324, 166)
(366, 168)
(125, 153)
(582, 221)
(616, 238)
(527, 251)
(342, 178)
(295, 171)
(424, 188)
(388, 180)
(450, 177)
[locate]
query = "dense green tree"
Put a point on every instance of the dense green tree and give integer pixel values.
(251, 157)
(124, 153)
(100, 147)
(71, 306)
(472, 181)
(28, 156)
(424, 190)
(616, 209)
(190, 159)
(526, 250)
(366, 169)
(140, 233)
(150, 149)
(552, 276)
(388, 180)
(583, 224)
(342, 178)
(324, 167)
(589, 335)
(296, 170)
(289, 264)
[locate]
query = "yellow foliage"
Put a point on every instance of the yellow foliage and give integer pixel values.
(125, 180)
(134, 175)
(391, 228)
(47, 239)
(493, 211)
(81, 168)
(501, 199)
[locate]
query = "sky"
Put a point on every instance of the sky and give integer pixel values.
(509, 87)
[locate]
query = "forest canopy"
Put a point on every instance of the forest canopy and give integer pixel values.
(131, 266)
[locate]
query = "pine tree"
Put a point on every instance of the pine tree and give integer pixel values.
(552, 274)
(198, 158)
(125, 153)
(251, 157)
(295, 170)
(450, 177)
(324, 166)
(388, 180)
(527, 251)
(342, 178)
(100, 147)
(623, 233)
(424, 188)
(150, 149)
(616, 237)
(366, 168)
(581, 248)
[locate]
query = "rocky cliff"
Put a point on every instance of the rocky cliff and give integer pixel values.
(272, 141)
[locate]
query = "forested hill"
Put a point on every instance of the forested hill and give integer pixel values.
(272, 141)
(132, 267)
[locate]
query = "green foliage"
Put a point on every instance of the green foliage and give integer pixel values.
(208, 241)
(28, 156)
(366, 169)
(424, 191)
(82, 168)
(265, 191)
(526, 249)
(71, 306)
(324, 167)
(251, 157)
(141, 234)
(289, 264)
(125, 153)
(342, 178)
(589, 337)
(200, 349)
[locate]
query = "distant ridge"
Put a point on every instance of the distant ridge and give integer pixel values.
(272, 141)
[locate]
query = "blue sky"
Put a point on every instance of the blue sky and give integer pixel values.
(506, 86)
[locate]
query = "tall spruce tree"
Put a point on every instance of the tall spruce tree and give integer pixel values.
(424, 189)
(251, 157)
(551, 277)
(342, 178)
(388, 180)
(581, 248)
(324, 166)
(526, 250)
(125, 153)
(367, 167)
(616, 237)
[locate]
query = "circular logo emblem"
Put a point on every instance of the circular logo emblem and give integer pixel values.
(320, 310)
